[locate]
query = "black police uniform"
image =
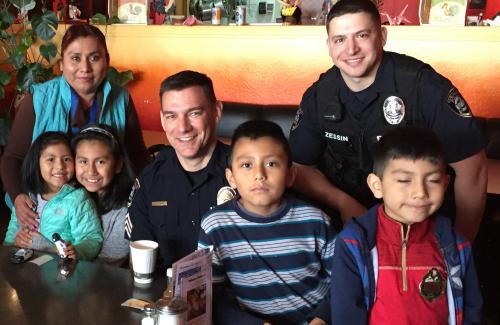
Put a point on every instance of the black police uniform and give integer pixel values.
(337, 129)
(166, 207)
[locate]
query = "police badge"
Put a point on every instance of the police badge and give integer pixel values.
(225, 193)
(432, 285)
(394, 110)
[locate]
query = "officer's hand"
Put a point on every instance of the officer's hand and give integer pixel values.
(349, 208)
(26, 217)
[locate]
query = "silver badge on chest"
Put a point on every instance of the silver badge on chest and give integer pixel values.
(394, 110)
(225, 193)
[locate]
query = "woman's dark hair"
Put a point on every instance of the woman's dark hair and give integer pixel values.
(256, 129)
(115, 195)
(31, 176)
(83, 30)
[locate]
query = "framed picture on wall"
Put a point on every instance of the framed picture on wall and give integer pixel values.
(73, 11)
(443, 12)
(477, 4)
(133, 11)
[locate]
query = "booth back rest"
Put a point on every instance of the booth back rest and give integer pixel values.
(236, 113)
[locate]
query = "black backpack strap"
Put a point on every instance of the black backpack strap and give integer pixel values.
(327, 97)
(407, 71)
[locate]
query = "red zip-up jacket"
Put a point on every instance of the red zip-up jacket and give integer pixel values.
(407, 255)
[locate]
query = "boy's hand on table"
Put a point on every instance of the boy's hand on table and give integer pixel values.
(317, 321)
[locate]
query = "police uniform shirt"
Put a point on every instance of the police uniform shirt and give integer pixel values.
(166, 207)
(439, 104)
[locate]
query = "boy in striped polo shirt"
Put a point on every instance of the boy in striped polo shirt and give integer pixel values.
(272, 252)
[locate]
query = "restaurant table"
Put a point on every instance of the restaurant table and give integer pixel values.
(91, 294)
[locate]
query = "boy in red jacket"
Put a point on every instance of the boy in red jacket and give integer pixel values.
(401, 263)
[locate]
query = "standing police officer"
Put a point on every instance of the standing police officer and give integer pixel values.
(173, 192)
(366, 93)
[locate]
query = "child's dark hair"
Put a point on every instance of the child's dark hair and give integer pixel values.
(115, 195)
(408, 142)
(256, 129)
(31, 176)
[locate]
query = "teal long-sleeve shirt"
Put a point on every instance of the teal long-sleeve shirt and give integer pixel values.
(72, 214)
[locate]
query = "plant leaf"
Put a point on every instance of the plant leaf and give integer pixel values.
(48, 51)
(4, 78)
(17, 57)
(6, 19)
(45, 25)
(114, 20)
(45, 74)
(4, 81)
(98, 19)
(26, 76)
(119, 78)
(26, 39)
(24, 5)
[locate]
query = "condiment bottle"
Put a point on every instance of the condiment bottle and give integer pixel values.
(169, 292)
(149, 316)
(216, 14)
(172, 311)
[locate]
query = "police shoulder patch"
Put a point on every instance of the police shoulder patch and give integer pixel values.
(128, 227)
(137, 186)
(298, 117)
(457, 103)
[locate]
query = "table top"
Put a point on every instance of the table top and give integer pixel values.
(92, 294)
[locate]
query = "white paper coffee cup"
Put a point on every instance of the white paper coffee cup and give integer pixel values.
(143, 253)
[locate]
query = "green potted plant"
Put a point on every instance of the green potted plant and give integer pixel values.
(23, 63)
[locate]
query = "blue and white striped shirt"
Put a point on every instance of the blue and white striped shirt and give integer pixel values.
(279, 266)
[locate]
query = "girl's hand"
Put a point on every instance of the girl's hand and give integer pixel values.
(23, 238)
(70, 251)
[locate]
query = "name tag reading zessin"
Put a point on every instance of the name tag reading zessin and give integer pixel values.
(159, 203)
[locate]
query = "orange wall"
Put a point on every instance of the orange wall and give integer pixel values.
(276, 64)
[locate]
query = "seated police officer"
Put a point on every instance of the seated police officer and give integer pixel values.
(366, 93)
(174, 191)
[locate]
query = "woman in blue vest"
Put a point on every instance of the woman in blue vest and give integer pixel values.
(82, 95)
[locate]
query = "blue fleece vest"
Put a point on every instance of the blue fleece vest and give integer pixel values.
(52, 106)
